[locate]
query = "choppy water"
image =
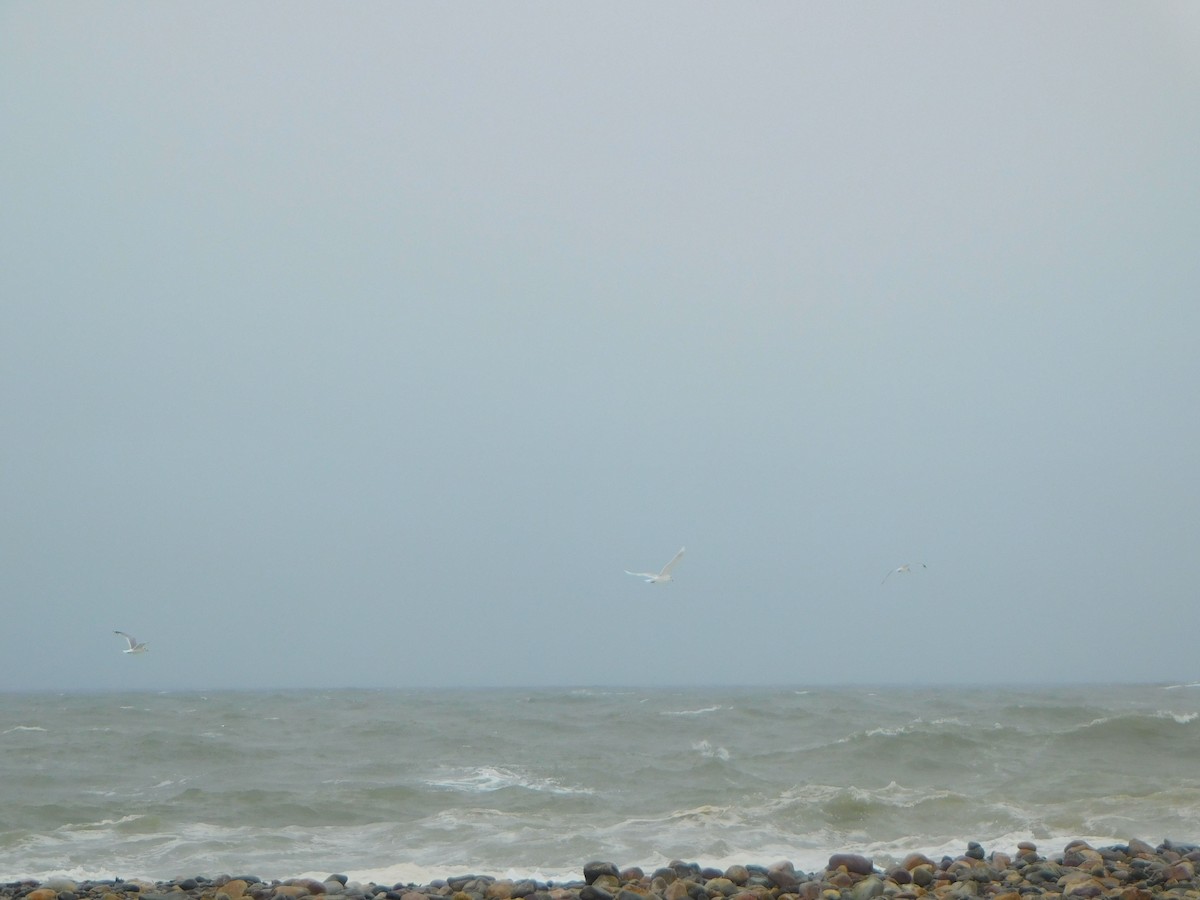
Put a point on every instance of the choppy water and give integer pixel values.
(409, 786)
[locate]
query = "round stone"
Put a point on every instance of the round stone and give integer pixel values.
(594, 870)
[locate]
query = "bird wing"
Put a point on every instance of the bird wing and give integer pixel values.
(666, 570)
(889, 575)
(128, 637)
(641, 574)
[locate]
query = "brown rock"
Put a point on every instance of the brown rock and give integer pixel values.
(1080, 885)
(855, 863)
(1140, 848)
(234, 888)
(783, 875)
(1184, 870)
(1080, 856)
(737, 874)
(676, 890)
(913, 860)
(290, 890)
(42, 894)
(498, 890)
(924, 875)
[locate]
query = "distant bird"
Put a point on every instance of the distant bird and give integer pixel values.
(901, 570)
(659, 577)
(135, 646)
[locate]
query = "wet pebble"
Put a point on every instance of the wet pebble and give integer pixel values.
(1135, 870)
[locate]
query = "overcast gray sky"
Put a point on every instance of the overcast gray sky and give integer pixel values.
(368, 344)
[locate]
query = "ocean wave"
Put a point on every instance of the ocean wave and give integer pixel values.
(1134, 726)
(485, 779)
(693, 712)
(918, 739)
(415, 786)
(704, 748)
(16, 728)
(102, 824)
(1179, 718)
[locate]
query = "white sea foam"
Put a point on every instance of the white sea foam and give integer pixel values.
(692, 712)
(23, 728)
(417, 873)
(484, 779)
(704, 748)
(101, 825)
(1180, 718)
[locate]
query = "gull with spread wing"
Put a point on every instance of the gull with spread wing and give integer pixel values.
(659, 577)
(135, 646)
(905, 569)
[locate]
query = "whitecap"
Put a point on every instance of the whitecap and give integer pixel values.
(704, 748)
(23, 728)
(485, 779)
(691, 712)
(103, 823)
(1180, 718)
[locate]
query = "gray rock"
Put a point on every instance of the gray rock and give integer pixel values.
(594, 870)
(737, 874)
(855, 863)
(923, 876)
(868, 888)
(783, 878)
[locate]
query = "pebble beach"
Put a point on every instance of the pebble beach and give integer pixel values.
(1136, 870)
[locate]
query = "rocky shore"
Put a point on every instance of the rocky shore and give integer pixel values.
(1132, 871)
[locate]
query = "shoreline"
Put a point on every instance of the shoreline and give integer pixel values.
(1135, 870)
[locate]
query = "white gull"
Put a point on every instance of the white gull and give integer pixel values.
(901, 570)
(135, 646)
(659, 577)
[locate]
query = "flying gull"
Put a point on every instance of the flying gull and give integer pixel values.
(901, 570)
(659, 577)
(135, 646)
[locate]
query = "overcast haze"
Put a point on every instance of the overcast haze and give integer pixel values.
(368, 345)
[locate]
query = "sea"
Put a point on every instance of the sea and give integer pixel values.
(408, 786)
